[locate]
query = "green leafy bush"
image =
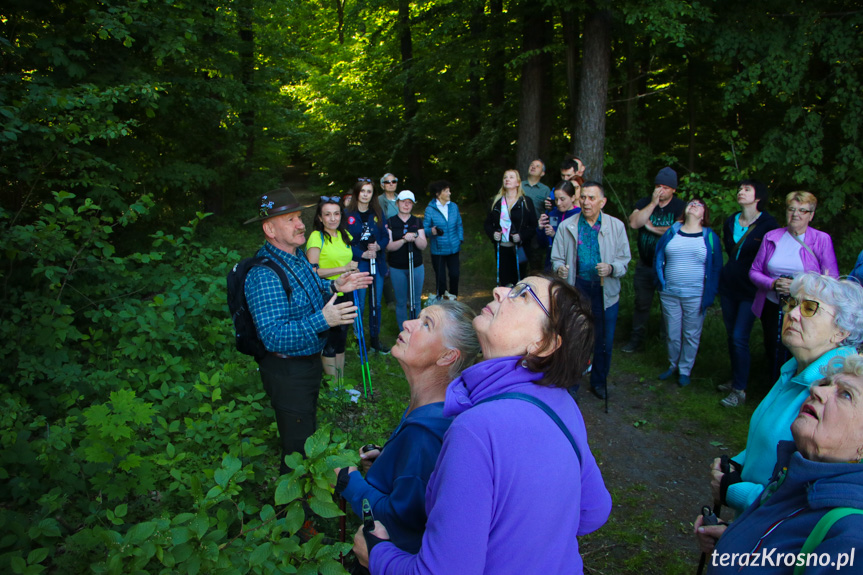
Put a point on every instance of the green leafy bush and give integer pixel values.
(134, 438)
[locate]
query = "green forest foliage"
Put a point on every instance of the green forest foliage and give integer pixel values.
(129, 437)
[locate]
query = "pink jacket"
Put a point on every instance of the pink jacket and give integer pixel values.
(822, 247)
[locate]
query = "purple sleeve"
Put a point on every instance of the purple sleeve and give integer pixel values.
(757, 273)
(460, 497)
(595, 500)
(827, 256)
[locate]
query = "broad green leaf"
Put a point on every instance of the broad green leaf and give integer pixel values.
(326, 508)
(260, 554)
(286, 491)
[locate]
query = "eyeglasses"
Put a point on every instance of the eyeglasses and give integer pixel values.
(391, 181)
(519, 289)
(803, 211)
(330, 199)
(367, 180)
(808, 307)
(695, 203)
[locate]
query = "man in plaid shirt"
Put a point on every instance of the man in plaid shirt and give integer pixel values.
(293, 327)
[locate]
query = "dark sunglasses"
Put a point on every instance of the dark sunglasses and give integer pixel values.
(330, 199)
(808, 307)
(367, 180)
(519, 289)
(391, 181)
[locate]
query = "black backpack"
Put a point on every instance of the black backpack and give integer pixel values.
(247, 340)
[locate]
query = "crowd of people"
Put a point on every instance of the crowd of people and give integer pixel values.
(453, 489)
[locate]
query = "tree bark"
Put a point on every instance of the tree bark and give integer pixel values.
(690, 104)
(593, 93)
(530, 113)
(340, 11)
(570, 37)
(409, 97)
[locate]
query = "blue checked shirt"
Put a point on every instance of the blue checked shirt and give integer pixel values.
(292, 326)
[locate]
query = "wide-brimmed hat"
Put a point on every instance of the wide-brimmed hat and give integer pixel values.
(276, 203)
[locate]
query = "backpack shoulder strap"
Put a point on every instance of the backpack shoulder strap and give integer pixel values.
(548, 411)
(820, 531)
(283, 277)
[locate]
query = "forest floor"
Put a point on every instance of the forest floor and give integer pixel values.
(654, 445)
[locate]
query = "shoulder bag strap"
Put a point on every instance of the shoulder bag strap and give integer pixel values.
(820, 531)
(739, 244)
(808, 249)
(548, 411)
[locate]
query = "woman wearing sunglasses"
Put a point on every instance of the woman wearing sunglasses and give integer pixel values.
(388, 199)
(823, 319)
(784, 253)
(329, 250)
(491, 505)
(688, 259)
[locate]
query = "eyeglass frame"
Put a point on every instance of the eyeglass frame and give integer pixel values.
(803, 211)
(516, 291)
(787, 306)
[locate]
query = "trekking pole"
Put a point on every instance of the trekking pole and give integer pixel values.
(497, 263)
(361, 341)
(342, 525)
(517, 267)
(373, 298)
(709, 519)
(411, 283)
(604, 327)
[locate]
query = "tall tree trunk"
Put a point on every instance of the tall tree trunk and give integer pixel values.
(570, 40)
(476, 26)
(530, 107)
(496, 84)
(691, 73)
(629, 95)
(495, 72)
(549, 101)
(340, 11)
(409, 97)
(593, 93)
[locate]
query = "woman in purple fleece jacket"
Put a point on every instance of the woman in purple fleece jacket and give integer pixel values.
(509, 494)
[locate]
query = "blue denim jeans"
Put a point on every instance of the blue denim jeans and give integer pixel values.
(605, 320)
(400, 287)
(739, 319)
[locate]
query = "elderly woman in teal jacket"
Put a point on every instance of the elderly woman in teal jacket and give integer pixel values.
(823, 320)
(688, 262)
(443, 226)
(817, 483)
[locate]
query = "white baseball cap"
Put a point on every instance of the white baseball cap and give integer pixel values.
(406, 195)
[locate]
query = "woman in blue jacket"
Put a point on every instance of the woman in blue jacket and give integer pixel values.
(366, 224)
(443, 225)
(688, 261)
(432, 350)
